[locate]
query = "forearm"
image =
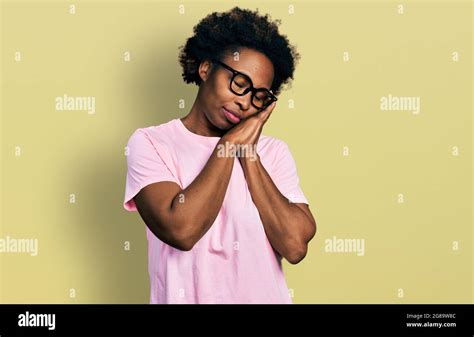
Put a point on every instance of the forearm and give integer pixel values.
(287, 227)
(203, 198)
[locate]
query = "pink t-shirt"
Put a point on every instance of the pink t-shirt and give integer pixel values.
(233, 262)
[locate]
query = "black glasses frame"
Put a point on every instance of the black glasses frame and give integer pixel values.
(254, 90)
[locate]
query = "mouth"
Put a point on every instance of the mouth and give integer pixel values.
(230, 116)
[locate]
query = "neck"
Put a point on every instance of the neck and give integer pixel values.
(197, 122)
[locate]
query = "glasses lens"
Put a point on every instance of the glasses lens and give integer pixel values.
(262, 98)
(240, 84)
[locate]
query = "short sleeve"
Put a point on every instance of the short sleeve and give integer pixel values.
(285, 175)
(147, 163)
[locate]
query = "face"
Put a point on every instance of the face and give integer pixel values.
(216, 97)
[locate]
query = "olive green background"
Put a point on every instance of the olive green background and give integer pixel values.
(332, 106)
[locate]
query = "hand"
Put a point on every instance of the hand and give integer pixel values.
(248, 131)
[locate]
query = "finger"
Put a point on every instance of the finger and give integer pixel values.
(265, 114)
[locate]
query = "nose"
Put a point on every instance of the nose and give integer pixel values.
(244, 103)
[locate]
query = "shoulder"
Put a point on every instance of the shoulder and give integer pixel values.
(271, 146)
(272, 151)
(160, 133)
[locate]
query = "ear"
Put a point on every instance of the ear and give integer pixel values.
(205, 69)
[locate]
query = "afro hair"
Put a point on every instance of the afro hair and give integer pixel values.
(221, 33)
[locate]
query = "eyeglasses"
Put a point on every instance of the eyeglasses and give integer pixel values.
(240, 84)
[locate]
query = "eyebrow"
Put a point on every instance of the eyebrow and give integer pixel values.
(252, 80)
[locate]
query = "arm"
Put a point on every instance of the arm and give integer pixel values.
(288, 226)
(181, 217)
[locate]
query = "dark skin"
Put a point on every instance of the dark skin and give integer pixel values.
(289, 226)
